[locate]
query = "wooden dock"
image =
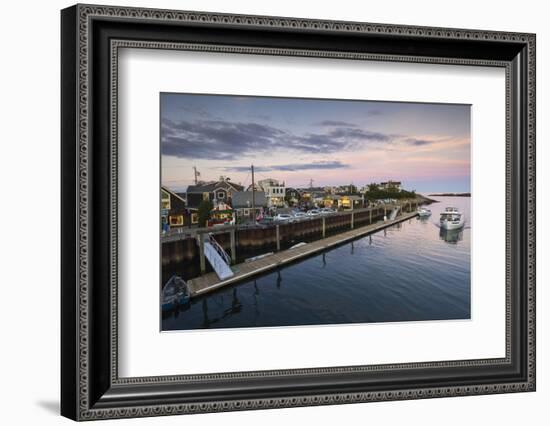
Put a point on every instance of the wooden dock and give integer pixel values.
(210, 281)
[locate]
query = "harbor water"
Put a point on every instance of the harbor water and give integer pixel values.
(412, 271)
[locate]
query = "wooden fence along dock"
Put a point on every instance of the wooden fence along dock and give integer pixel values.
(210, 281)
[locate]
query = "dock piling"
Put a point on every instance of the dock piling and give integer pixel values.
(233, 246)
(201, 253)
(210, 281)
(278, 237)
(324, 227)
(351, 220)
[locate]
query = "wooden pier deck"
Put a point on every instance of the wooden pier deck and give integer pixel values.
(210, 281)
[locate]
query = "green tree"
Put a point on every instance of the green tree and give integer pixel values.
(372, 187)
(205, 207)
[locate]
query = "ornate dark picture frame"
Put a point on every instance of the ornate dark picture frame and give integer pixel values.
(91, 37)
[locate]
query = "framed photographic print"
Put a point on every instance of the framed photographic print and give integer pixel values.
(263, 212)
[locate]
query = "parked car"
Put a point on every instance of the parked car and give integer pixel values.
(283, 217)
(327, 211)
(313, 212)
(300, 215)
(266, 220)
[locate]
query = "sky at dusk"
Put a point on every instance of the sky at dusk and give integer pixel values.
(334, 142)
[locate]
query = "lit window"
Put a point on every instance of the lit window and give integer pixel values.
(176, 220)
(165, 200)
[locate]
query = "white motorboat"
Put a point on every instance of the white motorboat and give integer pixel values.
(424, 212)
(451, 218)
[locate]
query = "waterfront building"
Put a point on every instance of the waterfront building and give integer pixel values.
(350, 202)
(390, 185)
(221, 213)
(330, 189)
(310, 197)
(183, 196)
(174, 210)
(330, 201)
(242, 204)
(292, 196)
(274, 191)
(257, 188)
(317, 198)
(220, 191)
(345, 189)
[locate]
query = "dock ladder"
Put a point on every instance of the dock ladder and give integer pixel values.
(217, 257)
(394, 212)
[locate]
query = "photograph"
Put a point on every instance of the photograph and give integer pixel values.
(279, 211)
(266, 208)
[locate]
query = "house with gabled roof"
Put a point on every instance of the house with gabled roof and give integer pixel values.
(390, 185)
(217, 192)
(174, 211)
(242, 204)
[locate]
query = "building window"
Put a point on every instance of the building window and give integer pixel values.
(205, 196)
(176, 220)
(165, 200)
(221, 195)
(194, 218)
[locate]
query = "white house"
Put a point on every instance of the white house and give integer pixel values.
(274, 192)
(390, 185)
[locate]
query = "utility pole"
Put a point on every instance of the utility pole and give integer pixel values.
(311, 183)
(253, 194)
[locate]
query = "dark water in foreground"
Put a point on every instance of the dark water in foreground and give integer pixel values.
(412, 271)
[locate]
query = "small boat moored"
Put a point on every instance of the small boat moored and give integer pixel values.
(451, 218)
(175, 293)
(424, 212)
(260, 256)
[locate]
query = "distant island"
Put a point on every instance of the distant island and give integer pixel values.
(452, 194)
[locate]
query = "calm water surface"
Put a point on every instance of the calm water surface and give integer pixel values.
(412, 271)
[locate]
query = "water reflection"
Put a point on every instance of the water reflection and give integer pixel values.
(208, 320)
(452, 236)
(412, 272)
(423, 219)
